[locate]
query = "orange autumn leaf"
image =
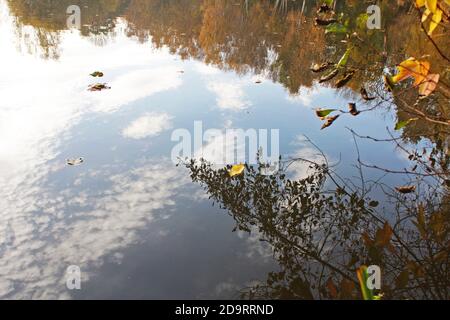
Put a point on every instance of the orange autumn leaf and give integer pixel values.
(412, 68)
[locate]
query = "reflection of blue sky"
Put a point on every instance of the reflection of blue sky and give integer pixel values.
(54, 216)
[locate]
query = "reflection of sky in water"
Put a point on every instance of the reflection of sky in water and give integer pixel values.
(128, 217)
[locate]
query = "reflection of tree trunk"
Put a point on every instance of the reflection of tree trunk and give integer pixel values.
(302, 16)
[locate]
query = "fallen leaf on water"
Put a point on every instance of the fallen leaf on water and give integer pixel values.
(345, 79)
(329, 76)
(344, 59)
(429, 85)
(365, 95)
(401, 124)
(406, 189)
(323, 113)
(74, 162)
(324, 22)
(433, 10)
(329, 121)
(353, 110)
(236, 170)
(97, 74)
(412, 68)
(258, 81)
(374, 204)
(320, 67)
(98, 87)
(435, 20)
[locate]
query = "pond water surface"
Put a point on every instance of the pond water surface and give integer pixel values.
(134, 222)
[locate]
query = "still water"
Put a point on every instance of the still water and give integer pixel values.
(135, 223)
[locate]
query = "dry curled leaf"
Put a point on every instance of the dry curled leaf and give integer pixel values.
(98, 87)
(365, 95)
(324, 22)
(329, 76)
(97, 74)
(320, 67)
(406, 189)
(329, 121)
(353, 110)
(345, 79)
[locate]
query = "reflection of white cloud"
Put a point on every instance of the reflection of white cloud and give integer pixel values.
(222, 148)
(301, 169)
(37, 251)
(230, 96)
(306, 96)
(41, 100)
(205, 69)
(43, 230)
(256, 248)
(149, 125)
(134, 85)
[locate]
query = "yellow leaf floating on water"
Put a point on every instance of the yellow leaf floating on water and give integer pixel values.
(433, 10)
(417, 69)
(431, 5)
(435, 20)
(236, 170)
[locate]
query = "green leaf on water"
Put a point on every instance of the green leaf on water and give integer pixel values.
(344, 58)
(322, 113)
(401, 124)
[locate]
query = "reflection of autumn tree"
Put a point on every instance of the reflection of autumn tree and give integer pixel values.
(320, 236)
(175, 24)
(49, 18)
(275, 38)
(246, 36)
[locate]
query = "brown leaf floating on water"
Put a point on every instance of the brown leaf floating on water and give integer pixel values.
(345, 79)
(406, 189)
(353, 110)
(97, 74)
(98, 87)
(329, 121)
(320, 67)
(365, 95)
(329, 76)
(324, 22)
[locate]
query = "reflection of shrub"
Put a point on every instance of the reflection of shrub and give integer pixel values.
(320, 237)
